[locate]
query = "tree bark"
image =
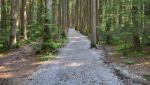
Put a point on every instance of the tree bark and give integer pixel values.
(24, 20)
(93, 22)
(14, 23)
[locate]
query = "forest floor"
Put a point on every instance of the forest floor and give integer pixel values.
(17, 64)
(134, 66)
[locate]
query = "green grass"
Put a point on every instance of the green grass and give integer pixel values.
(46, 57)
(129, 62)
(147, 76)
(138, 53)
(24, 42)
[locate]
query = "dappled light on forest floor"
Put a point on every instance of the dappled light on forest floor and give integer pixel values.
(6, 75)
(18, 64)
(5, 72)
(16, 68)
(1, 55)
(143, 64)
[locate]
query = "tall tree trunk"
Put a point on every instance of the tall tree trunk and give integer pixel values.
(135, 35)
(93, 22)
(24, 20)
(64, 16)
(14, 23)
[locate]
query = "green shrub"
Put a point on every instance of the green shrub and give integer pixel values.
(56, 39)
(147, 76)
(37, 48)
(123, 49)
(23, 42)
(129, 62)
(45, 57)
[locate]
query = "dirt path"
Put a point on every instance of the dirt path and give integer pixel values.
(76, 64)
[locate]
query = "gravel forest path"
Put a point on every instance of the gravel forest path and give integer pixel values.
(76, 64)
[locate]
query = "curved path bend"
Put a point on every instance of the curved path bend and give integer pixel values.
(76, 64)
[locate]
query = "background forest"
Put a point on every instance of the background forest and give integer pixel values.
(123, 23)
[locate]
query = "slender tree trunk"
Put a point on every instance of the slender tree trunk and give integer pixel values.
(135, 36)
(93, 22)
(14, 25)
(24, 20)
(64, 16)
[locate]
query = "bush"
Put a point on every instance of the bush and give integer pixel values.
(123, 49)
(147, 76)
(55, 39)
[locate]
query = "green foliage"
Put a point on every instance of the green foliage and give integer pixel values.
(37, 48)
(138, 53)
(46, 57)
(51, 45)
(4, 45)
(56, 39)
(123, 49)
(121, 21)
(146, 40)
(129, 62)
(35, 31)
(23, 42)
(147, 76)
